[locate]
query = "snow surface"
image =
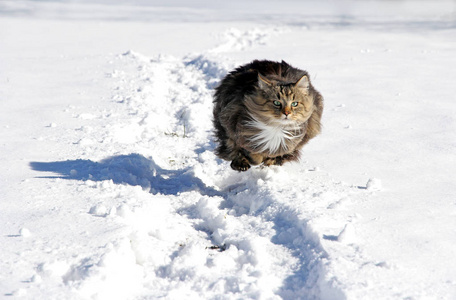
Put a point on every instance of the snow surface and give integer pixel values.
(110, 188)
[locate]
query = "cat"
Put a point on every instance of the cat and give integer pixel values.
(264, 113)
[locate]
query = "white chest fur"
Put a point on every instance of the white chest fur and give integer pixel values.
(272, 138)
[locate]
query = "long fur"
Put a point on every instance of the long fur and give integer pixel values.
(251, 127)
(271, 137)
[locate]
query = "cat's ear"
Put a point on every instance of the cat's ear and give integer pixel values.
(263, 82)
(303, 83)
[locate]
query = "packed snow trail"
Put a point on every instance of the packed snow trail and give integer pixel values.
(198, 229)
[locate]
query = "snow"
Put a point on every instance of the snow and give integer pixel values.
(111, 190)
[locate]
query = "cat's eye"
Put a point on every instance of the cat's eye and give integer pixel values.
(277, 103)
(294, 104)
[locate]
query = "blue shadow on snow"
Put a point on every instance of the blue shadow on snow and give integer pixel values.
(132, 169)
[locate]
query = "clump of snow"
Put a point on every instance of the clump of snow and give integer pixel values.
(36, 278)
(52, 269)
(24, 232)
(347, 235)
(98, 210)
(374, 184)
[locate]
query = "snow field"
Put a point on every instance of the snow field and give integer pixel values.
(124, 198)
(175, 221)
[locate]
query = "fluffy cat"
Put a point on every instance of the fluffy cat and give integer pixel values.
(264, 113)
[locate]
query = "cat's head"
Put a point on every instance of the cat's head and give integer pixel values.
(282, 102)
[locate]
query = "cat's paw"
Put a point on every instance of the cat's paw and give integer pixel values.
(273, 161)
(279, 161)
(240, 165)
(268, 161)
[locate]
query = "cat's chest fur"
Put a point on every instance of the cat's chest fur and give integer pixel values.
(274, 139)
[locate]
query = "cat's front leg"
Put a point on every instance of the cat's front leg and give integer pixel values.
(244, 159)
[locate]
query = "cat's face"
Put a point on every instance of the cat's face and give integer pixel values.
(284, 103)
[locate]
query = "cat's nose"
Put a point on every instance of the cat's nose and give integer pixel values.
(286, 112)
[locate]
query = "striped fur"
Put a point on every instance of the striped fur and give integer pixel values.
(264, 113)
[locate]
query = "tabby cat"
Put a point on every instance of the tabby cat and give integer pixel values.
(264, 113)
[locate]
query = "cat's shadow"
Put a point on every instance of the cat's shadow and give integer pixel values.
(133, 169)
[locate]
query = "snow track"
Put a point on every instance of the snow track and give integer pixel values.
(113, 190)
(186, 224)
